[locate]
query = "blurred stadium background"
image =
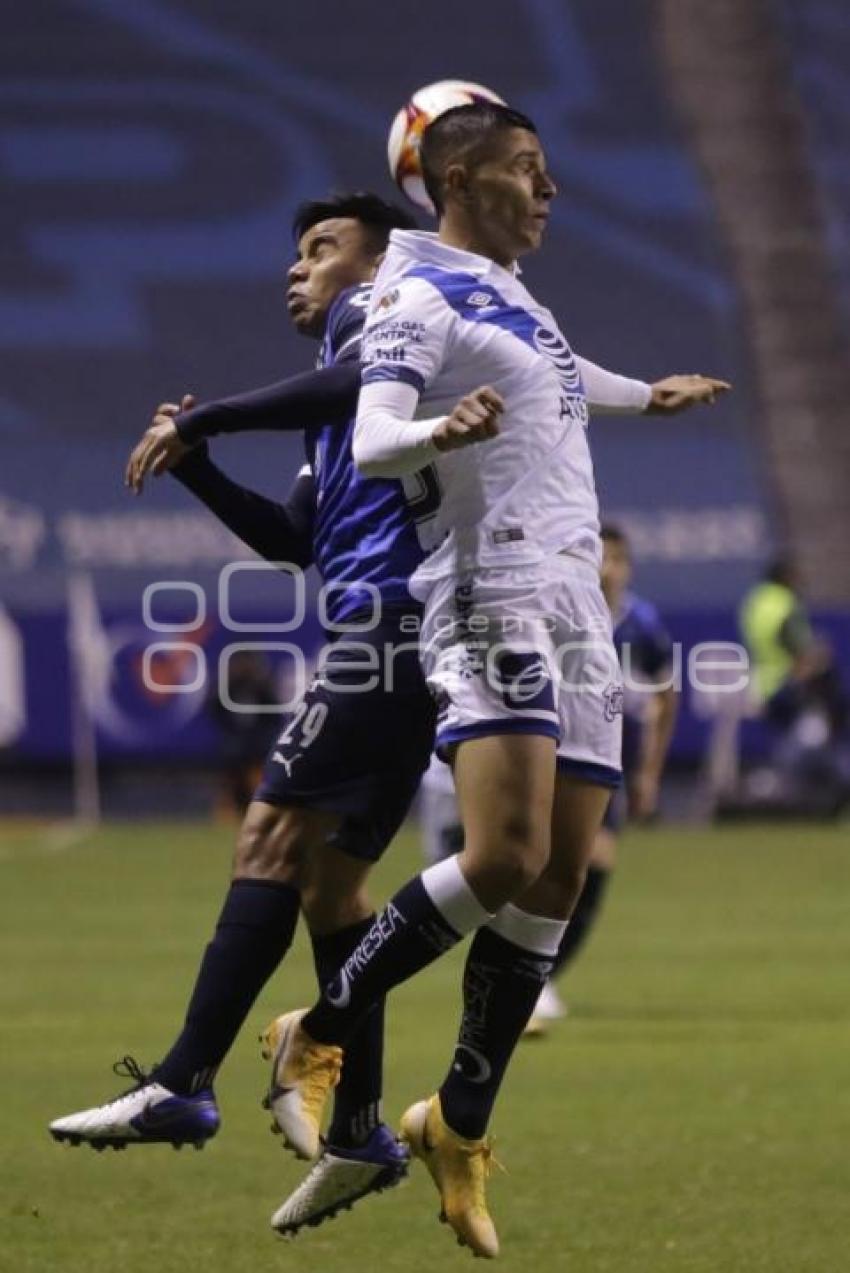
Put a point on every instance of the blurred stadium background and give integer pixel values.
(691, 1115)
(152, 154)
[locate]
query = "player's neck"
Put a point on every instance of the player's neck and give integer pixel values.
(457, 232)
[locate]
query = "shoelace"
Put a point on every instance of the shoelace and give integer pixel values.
(128, 1068)
(489, 1161)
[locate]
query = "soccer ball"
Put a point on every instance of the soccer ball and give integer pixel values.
(412, 120)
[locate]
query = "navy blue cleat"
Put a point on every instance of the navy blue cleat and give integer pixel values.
(342, 1177)
(147, 1114)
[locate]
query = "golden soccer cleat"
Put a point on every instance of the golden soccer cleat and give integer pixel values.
(459, 1169)
(304, 1073)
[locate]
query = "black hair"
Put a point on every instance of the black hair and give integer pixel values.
(374, 213)
(457, 133)
(611, 534)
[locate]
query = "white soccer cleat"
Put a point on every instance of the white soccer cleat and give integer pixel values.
(148, 1114)
(304, 1073)
(340, 1178)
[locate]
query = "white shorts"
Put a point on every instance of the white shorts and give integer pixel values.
(528, 651)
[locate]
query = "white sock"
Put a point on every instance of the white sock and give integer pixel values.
(445, 884)
(535, 933)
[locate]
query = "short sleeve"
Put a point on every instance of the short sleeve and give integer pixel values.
(654, 646)
(407, 332)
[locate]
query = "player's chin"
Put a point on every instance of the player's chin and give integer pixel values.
(534, 235)
(306, 322)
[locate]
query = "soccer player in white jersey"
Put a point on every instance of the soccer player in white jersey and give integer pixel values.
(516, 635)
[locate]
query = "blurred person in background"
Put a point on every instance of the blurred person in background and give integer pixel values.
(649, 715)
(797, 686)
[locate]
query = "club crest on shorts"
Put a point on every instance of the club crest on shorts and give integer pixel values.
(613, 700)
(524, 681)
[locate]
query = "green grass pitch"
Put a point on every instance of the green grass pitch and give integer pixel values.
(691, 1116)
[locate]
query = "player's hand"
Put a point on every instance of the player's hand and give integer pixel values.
(160, 447)
(474, 419)
(678, 393)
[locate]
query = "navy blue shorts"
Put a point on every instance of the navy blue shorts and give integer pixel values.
(358, 742)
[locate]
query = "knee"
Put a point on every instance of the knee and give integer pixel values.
(333, 890)
(329, 907)
(507, 862)
(271, 848)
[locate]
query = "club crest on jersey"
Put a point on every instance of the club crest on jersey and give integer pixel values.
(388, 299)
(613, 700)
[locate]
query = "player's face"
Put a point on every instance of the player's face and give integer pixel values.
(332, 255)
(509, 196)
(616, 567)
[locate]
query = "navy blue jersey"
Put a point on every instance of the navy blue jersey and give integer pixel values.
(365, 536)
(643, 643)
(644, 649)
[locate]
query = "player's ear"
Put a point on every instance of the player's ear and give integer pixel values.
(456, 184)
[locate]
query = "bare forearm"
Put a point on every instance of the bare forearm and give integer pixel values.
(658, 732)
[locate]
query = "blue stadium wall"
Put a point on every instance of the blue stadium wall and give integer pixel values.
(152, 154)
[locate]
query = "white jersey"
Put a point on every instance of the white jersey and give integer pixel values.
(446, 321)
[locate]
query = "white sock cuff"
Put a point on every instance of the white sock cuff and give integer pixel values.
(536, 933)
(445, 884)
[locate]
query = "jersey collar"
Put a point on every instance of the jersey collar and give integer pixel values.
(425, 245)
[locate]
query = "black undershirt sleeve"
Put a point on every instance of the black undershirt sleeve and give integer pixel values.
(327, 396)
(278, 532)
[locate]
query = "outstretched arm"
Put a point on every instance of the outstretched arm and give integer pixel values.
(278, 532)
(610, 394)
(327, 396)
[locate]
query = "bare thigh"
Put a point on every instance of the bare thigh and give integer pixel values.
(577, 812)
(275, 841)
(505, 785)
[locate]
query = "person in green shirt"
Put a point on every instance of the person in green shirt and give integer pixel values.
(793, 670)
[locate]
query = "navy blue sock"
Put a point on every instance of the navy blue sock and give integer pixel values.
(409, 934)
(357, 1097)
(501, 983)
(583, 917)
(253, 933)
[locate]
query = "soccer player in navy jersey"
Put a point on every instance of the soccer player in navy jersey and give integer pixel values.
(144, 1113)
(342, 774)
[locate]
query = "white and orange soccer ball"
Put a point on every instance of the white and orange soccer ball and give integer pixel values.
(412, 120)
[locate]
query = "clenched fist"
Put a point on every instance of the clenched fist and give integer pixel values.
(474, 419)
